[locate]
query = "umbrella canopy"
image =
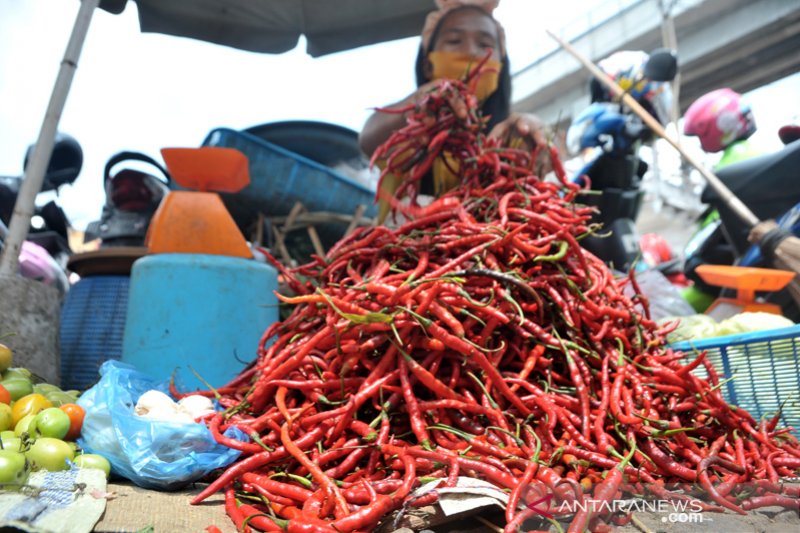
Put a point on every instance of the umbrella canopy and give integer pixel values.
(274, 26)
(268, 26)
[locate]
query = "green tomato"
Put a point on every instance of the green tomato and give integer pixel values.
(92, 460)
(6, 418)
(7, 434)
(50, 454)
(59, 398)
(17, 387)
(51, 422)
(23, 426)
(14, 467)
(13, 444)
(17, 372)
(44, 388)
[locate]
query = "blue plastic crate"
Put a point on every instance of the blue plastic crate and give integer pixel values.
(279, 178)
(765, 367)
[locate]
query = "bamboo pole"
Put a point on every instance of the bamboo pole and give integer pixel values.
(34, 174)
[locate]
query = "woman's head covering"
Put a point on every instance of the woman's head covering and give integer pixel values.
(445, 6)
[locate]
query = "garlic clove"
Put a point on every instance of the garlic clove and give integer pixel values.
(154, 400)
(196, 405)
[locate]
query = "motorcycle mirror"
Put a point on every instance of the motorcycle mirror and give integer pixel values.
(65, 162)
(662, 65)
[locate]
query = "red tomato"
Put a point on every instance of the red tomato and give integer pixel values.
(76, 414)
(5, 396)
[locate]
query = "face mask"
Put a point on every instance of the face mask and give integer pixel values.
(456, 66)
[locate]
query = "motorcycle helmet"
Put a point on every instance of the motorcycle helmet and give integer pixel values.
(655, 249)
(601, 124)
(627, 69)
(719, 119)
(789, 133)
(65, 162)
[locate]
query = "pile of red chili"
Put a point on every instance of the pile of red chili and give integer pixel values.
(479, 339)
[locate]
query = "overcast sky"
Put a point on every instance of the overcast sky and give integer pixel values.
(142, 92)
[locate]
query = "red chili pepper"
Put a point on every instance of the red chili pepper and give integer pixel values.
(603, 492)
(233, 511)
(705, 482)
(772, 500)
(331, 490)
(360, 496)
(256, 461)
(616, 402)
(665, 463)
(516, 494)
(290, 491)
(214, 425)
(418, 424)
(257, 519)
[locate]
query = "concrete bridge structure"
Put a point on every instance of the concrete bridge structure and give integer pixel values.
(742, 44)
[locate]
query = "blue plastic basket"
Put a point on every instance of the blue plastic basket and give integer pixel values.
(764, 367)
(279, 178)
(92, 325)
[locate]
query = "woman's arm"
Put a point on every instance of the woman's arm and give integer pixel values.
(381, 124)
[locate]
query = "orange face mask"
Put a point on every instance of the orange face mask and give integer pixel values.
(456, 66)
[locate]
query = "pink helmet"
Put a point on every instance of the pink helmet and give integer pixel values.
(719, 118)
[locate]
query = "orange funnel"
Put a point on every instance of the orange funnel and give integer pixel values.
(197, 222)
(208, 168)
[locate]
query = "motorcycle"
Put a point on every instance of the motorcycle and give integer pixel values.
(132, 197)
(616, 135)
(45, 252)
(767, 184)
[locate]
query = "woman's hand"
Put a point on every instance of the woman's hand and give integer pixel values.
(454, 98)
(525, 131)
(521, 126)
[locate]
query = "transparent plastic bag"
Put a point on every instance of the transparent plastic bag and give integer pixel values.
(664, 298)
(154, 454)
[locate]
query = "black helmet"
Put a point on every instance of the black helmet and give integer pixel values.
(65, 162)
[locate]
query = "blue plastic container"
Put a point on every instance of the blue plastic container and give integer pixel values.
(196, 312)
(92, 326)
(762, 370)
(279, 178)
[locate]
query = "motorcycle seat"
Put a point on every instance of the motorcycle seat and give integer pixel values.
(767, 184)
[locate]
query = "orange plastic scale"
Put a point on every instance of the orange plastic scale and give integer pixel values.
(747, 281)
(196, 221)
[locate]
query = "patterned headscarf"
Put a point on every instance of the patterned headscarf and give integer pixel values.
(445, 6)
